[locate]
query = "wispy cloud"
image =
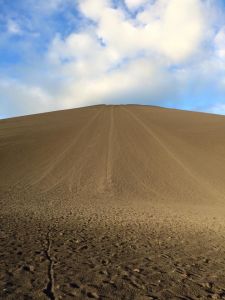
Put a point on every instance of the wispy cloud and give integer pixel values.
(13, 27)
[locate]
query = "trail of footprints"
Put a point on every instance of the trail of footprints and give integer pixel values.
(85, 256)
(102, 267)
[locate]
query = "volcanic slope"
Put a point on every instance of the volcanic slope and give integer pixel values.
(112, 202)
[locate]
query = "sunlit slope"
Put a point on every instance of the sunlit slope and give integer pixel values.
(135, 152)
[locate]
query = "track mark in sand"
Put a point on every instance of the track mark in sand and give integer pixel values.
(79, 165)
(66, 150)
(163, 146)
(109, 152)
(49, 290)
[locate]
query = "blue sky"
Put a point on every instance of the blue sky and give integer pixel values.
(60, 54)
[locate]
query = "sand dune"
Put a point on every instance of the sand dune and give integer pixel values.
(112, 202)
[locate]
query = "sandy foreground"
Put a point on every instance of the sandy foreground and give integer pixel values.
(112, 202)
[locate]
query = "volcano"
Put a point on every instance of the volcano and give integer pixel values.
(112, 202)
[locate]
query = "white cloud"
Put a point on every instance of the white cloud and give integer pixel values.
(134, 80)
(22, 98)
(218, 108)
(120, 54)
(132, 4)
(220, 43)
(172, 28)
(93, 8)
(13, 27)
(175, 28)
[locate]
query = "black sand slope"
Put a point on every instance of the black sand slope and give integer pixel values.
(112, 202)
